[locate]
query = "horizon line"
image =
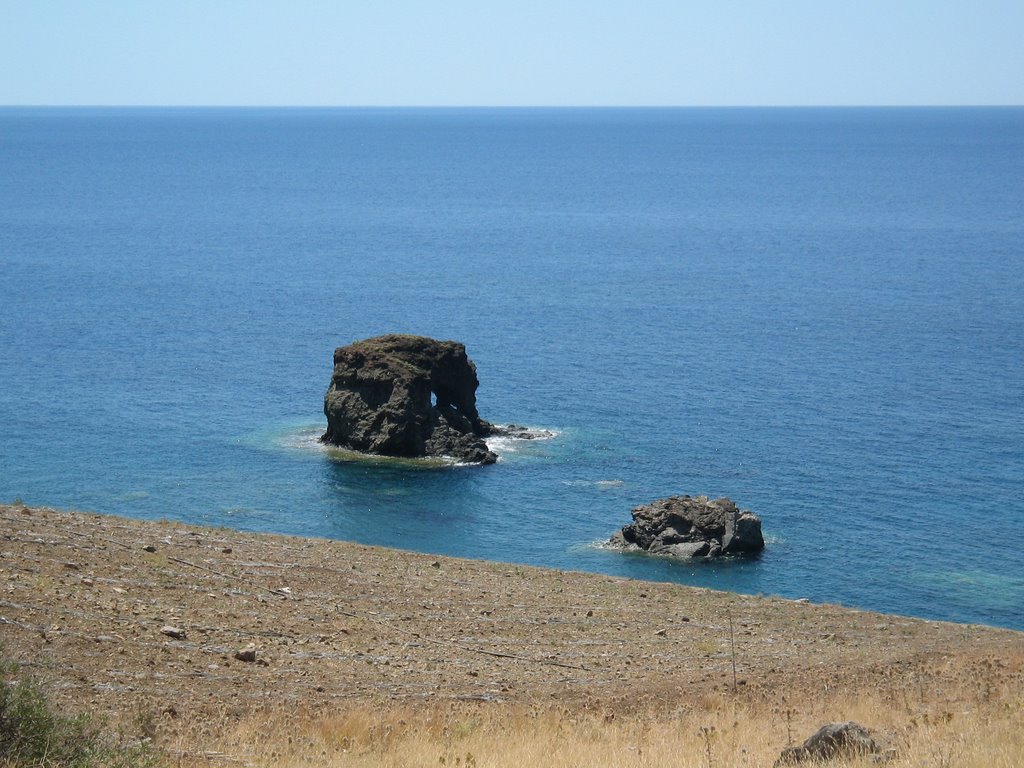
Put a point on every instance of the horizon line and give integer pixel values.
(510, 106)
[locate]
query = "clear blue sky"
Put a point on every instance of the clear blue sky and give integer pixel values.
(511, 52)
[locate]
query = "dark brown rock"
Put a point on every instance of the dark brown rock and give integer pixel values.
(691, 526)
(406, 396)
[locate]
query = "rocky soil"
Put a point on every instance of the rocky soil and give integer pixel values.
(120, 616)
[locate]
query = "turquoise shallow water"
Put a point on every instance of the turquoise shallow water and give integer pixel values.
(819, 313)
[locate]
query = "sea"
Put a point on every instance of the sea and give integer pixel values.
(817, 312)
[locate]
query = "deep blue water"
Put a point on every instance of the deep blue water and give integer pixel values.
(819, 313)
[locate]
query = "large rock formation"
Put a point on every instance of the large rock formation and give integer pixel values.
(685, 526)
(406, 396)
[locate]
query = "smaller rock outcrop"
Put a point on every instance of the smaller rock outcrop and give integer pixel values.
(691, 526)
(835, 741)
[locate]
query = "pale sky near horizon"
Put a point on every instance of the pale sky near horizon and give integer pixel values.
(512, 52)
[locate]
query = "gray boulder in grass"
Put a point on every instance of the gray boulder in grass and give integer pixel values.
(831, 742)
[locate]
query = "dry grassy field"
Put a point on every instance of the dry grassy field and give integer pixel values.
(230, 648)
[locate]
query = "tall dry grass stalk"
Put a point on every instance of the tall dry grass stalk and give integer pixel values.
(981, 728)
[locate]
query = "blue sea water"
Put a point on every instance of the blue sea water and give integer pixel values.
(817, 312)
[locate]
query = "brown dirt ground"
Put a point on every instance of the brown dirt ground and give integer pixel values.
(83, 604)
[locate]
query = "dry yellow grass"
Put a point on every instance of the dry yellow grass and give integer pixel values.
(978, 729)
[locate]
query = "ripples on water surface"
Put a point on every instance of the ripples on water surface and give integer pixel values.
(819, 313)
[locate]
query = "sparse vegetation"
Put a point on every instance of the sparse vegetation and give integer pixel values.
(32, 734)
